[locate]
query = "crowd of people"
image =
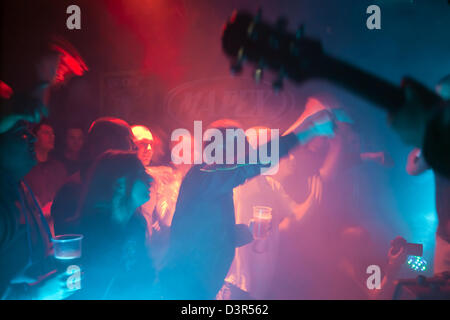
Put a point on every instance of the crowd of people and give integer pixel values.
(181, 231)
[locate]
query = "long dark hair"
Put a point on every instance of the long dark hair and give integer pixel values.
(105, 133)
(99, 187)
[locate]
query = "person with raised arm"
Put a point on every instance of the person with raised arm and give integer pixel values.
(203, 232)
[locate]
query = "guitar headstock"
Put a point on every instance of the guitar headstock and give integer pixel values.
(246, 38)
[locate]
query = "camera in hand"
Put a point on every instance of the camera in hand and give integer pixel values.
(411, 249)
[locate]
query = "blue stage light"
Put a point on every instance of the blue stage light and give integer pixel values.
(417, 263)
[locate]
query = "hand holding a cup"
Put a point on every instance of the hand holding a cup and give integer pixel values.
(67, 253)
(261, 224)
(52, 286)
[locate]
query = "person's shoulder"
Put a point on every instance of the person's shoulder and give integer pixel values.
(157, 169)
(36, 170)
(55, 161)
(195, 169)
(163, 173)
(194, 179)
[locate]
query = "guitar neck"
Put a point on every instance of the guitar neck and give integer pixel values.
(378, 91)
(301, 58)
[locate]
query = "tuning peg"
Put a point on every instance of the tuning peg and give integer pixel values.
(241, 54)
(236, 66)
(274, 39)
(277, 85)
(300, 31)
(258, 16)
(274, 42)
(259, 71)
(252, 33)
(258, 75)
(294, 49)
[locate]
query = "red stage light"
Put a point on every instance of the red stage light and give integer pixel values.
(5, 90)
(71, 62)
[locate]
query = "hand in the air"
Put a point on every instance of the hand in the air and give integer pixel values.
(320, 124)
(47, 67)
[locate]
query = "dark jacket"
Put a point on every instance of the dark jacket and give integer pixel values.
(25, 246)
(203, 230)
(115, 261)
